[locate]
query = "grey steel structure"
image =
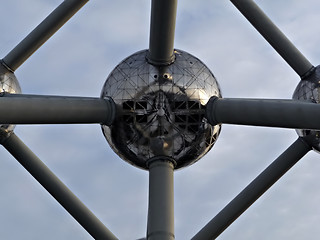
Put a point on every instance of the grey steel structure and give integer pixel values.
(160, 110)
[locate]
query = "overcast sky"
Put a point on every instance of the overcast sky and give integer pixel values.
(76, 62)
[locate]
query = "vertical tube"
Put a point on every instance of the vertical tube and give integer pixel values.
(254, 190)
(161, 206)
(162, 28)
(56, 188)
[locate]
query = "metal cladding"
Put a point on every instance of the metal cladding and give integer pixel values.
(8, 84)
(161, 109)
(308, 89)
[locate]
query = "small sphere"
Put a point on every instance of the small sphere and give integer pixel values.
(308, 89)
(161, 109)
(8, 84)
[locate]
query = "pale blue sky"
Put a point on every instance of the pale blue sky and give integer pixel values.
(76, 62)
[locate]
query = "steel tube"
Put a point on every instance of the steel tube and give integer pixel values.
(56, 188)
(264, 112)
(161, 206)
(33, 109)
(162, 28)
(274, 36)
(254, 190)
(42, 33)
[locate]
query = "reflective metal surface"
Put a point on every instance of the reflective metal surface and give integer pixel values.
(309, 90)
(9, 84)
(160, 110)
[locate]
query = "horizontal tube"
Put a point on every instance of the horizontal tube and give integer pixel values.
(264, 112)
(38, 109)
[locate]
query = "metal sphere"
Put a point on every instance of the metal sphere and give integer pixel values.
(309, 90)
(8, 84)
(160, 109)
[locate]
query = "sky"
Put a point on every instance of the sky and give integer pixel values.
(77, 60)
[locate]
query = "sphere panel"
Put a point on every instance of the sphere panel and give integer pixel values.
(8, 84)
(161, 110)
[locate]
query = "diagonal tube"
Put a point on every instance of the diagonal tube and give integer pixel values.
(162, 28)
(264, 112)
(16, 57)
(38, 109)
(254, 190)
(274, 36)
(55, 187)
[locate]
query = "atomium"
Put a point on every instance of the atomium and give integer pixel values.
(155, 113)
(161, 109)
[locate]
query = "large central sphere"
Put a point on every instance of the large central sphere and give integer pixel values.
(161, 109)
